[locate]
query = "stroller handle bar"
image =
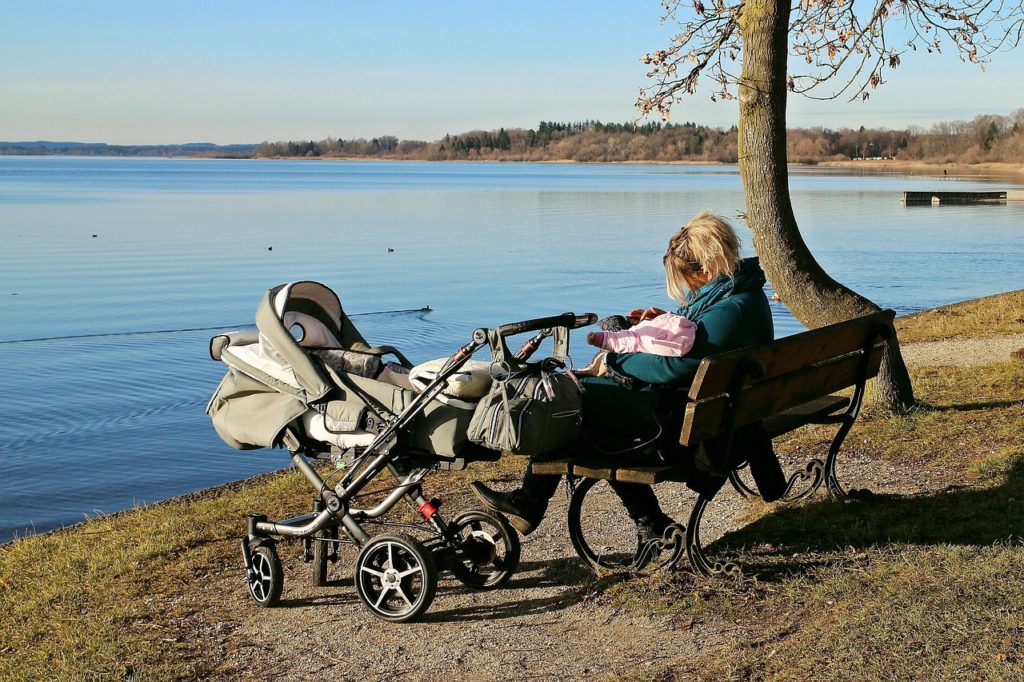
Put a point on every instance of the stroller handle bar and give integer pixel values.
(568, 320)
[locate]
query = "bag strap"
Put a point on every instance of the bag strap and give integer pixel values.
(501, 354)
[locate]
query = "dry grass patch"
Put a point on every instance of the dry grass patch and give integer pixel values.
(999, 315)
(99, 600)
(967, 414)
(909, 587)
(80, 603)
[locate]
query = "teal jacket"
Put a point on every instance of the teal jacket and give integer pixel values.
(730, 313)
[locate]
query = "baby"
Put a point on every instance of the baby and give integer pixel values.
(642, 331)
(667, 334)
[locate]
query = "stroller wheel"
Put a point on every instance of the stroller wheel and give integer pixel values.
(267, 577)
(322, 551)
(488, 550)
(395, 577)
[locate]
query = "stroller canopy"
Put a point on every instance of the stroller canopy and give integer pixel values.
(292, 317)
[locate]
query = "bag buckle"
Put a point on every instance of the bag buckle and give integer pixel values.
(499, 371)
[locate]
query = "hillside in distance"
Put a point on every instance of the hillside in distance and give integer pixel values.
(48, 148)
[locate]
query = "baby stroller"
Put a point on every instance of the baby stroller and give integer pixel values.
(308, 381)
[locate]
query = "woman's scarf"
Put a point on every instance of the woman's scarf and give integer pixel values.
(748, 275)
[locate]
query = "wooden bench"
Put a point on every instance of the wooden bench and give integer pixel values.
(785, 385)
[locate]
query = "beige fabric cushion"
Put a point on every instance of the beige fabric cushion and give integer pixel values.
(471, 382)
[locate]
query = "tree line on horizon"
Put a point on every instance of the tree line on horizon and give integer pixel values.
(990, 137)
(47, 148)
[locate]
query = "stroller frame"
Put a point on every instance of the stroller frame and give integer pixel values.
(396, 574)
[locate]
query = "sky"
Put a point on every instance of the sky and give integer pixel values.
(226, 71)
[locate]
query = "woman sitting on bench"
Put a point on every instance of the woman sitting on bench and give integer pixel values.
(633, 399)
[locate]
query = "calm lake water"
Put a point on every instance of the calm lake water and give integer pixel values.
(107, 264)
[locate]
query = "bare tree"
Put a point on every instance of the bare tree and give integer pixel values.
(842, 48)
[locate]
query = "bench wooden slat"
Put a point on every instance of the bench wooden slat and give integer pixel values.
(704, 418)
(804, 414)
(557, 467)
(786, 354)
(649, 475)
(594, 469)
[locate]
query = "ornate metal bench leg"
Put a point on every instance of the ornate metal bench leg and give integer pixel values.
(813, 472)
(740, 485)
(695, 553)
(673, 546)
(831, 480)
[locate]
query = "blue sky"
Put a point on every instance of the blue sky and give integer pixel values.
(225, 71)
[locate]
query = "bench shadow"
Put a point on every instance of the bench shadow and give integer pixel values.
(970, 516)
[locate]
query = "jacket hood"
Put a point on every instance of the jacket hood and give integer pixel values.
(748, 275)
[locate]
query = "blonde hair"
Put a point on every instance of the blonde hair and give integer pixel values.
(708, 246)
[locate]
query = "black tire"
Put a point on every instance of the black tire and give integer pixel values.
(488, 551)
(601, 531)
(266, 579)
(320, 552)
(395, 577)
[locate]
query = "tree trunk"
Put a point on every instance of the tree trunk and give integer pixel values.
(813, 297)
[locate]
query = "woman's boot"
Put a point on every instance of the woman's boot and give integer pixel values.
(525, 506)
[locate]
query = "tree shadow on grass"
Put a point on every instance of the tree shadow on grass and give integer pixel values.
(972, 407)
(970, 516)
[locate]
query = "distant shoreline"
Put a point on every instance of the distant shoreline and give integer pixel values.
(892, 165)
(981, 169)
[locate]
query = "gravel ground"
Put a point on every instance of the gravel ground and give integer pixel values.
(550, 621)
(962, 352)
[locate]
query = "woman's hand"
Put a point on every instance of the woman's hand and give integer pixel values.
(641, 315)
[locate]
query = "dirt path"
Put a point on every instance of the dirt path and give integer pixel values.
(551, 621)
(536, 627)
(962, 353)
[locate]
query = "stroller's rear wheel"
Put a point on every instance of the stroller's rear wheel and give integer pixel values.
(488, 551)
(266, 577)
(395, 577)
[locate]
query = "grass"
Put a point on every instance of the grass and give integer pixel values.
(76, 604)
(967, 414)
(99, 600)
(930, 586)
(987, 317)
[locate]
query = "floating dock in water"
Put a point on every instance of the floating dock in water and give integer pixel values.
(939, 198)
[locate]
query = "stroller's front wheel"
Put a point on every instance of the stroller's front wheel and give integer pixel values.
(266, 577)
(395, 577)
(488, 550)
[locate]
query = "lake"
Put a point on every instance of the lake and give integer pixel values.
(115, 272)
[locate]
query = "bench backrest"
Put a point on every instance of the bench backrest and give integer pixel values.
(750, 384)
